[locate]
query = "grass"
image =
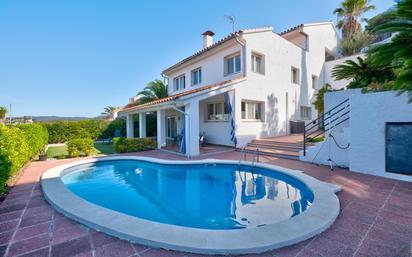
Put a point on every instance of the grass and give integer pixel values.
(61, 151)
(101, 148)
(57, 151)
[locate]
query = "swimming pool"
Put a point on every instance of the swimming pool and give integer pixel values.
(205, 206)
(209, 196)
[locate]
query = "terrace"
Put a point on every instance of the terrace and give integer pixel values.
(375, 218)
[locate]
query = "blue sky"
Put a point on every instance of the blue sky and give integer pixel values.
(74, 57)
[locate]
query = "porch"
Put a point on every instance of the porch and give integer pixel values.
(198, 126)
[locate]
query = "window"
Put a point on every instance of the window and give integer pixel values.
(196, 76)
(232, 64)
(251, 110)
(295, 75)
(179, 82)
(305, 113)
(258, 63)
(217, 112)
(314, 80)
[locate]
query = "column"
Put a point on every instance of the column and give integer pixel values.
(192, 128)
(142, 124)
(161, 128)
(129, 126)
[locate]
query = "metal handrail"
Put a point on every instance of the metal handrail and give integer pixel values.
(327, 126)
(322, 116)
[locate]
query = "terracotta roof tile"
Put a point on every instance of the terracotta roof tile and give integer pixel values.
(179, 95)
(291, 29)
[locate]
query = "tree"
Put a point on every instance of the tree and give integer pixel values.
(363, 73)
(355, 44)
(398, 51)
(154, 90)
(319, 98)
(350, 14)
(3, 112)
(109, 112)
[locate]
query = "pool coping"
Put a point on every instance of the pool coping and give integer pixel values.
(313, 221)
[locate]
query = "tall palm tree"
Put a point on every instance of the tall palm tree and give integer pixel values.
(3, 112)
(350, 14)
(154, 90)
(398, 51)
(109, 112)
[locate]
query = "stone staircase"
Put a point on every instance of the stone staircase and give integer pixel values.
(286, 147)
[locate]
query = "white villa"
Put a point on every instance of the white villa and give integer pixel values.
(249, 85)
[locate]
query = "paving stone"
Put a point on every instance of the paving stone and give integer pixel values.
(29, 245)
(44, 252)
(116, 249)
(71, 248)
(28, 232)
(9, 225)
(100, 239)
(5, 237)
(68, 234)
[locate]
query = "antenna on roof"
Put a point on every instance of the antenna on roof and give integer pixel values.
(232, 20)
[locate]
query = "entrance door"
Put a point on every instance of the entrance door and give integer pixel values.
(171, 127)
(399, 147)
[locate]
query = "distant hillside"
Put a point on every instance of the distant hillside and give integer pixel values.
(57, 118)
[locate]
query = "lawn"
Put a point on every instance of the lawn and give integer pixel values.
(61, 151)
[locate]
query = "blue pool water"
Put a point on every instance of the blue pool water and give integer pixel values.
(216, 196)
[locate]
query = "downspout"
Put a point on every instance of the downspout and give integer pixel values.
(243, 44)
(188, 131)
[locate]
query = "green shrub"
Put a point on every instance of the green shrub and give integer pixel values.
(63, 131)
(80, 146)
(17, 145)
(127, 145)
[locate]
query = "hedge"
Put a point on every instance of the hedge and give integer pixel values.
(18, 144)
(63, 131)
(80, 146)
(127, 145)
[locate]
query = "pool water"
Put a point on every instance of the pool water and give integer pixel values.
(208, 196)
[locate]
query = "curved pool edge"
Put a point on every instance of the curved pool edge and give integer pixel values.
(313, 221)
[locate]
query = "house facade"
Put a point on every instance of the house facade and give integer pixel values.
(249, 85)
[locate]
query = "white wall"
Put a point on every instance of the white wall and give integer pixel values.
(327, 72)
(212, 65)
(369, 114)
(216, 132)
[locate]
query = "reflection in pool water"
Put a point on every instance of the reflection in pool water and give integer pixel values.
(212, 197)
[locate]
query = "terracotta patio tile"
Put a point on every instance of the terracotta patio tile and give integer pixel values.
(328, 247)
(10, 216)
(35, 219)
(343, 236)
(12, 208)
(155, 252)
(65, 223)
(389, 238)
(29, 245)
(3, 249)
(390, 226)
(308, 253)
(373, 248)
(11, 201)
(71, 248)
(62, 235)
(28, 232)
(115, 249)
(40, 210)
(9, 225)
(37, 201)
(44, 252)
(100, 239)
(396, 218)
(5, 237)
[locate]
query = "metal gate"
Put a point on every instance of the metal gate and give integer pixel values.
(399, 147)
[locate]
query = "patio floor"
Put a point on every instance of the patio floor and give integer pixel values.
(375, 220)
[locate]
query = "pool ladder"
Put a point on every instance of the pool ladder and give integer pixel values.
(243, 153)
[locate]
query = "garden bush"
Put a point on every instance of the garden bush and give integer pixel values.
(63, 131)
(18, 144)
(80, 146)
(127, 145)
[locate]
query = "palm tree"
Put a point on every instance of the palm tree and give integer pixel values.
(398, 51)
(154, 90)
(354, 45)
(3, 112)
(363, 73)
(350, 14)
(109, 112)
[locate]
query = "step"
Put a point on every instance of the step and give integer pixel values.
(272, 142)
(277, 155)
(269, 146)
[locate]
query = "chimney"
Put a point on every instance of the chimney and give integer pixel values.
(207, 38)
